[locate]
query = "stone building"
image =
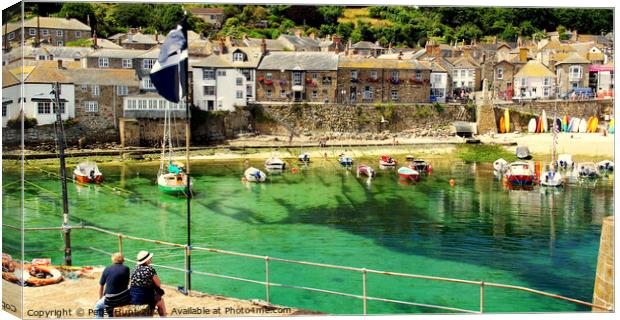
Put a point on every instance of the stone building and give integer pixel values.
(112, 58)
(297, 77)
(371, 80)
(572, 72)
(53, 31)
(213, 16)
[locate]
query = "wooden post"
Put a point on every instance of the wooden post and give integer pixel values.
(482, 297)
(364, 290)
(267, 294)
(120, 243)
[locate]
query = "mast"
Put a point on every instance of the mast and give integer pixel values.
(188, 195)
(63, 175)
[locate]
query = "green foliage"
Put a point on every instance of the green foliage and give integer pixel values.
(330, 14)
(483, 153)
(77, 10)
(80, 43)
(438, 107)
(17, 123)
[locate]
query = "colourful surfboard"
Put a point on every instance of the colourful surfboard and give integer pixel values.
(507, 119)
(545, 125)
(583, 125)
(612, 126)
(594, 125)
(539, 124)
(502, 124)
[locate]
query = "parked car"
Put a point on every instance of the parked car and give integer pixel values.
(579, 93)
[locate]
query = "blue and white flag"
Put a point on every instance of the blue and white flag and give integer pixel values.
(169, 74)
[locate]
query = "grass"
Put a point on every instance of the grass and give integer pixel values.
(483, 153)
(355, 14)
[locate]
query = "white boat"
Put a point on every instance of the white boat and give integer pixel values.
(587, 171)
(565, 162)
(523, 152)
(252, 174)
(304, 158)
(551, 178)
(87, 172)
(387, 161)
(274, 163)
(605, 165)
(345, 160)
(520, 174)
(500, 165)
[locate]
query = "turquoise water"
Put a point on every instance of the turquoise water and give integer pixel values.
(476, 230)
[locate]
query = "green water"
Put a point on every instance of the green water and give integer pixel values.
(476, 230)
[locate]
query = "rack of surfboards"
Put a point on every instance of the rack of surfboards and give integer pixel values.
(504, 122)
(566, 124)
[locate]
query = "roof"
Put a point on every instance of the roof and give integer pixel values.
(117, 53)
(8, 79)
(152, 53)
(595, 56)
(49, 23)
(534, 68)
(68, 52)
(226, 60)
(142, 38)
(573, 58)
(105, 43)
(272, 44)
(366, 45)
(199, 11)
(434, 66)
(373, 63)
(40, 74)
(305, 43)
(299, 60)
(108, 76)
(464, 62)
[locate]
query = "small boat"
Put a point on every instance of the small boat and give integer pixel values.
(421, 166)
(500, 165)
(605, 166)
(252, 174)
(274, 163)
(408, 173)
(551, 178)
(304, 158)
(587, 171)
(565, 162)
(345, 160)
(87, 172)
(387, 161)
(173, 183)
(365, 170)
(523, 153)
(464, 129)
(409, 158)
(520, 174)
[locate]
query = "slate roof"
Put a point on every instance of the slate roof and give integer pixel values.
(108, 76)
(373, 63)
(141, 38)
(534, 68)
(117, 53)
(573, 58)
(303, 43)
(226, 60)
(366, 45)
(49, 23)
(299, 60)
(40, 74)
(8, 78)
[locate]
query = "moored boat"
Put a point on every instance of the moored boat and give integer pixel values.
(565, 162)
(275, 163)
(252, 174)
(500, 165)
(520, 174)
(408, 173)
(304, 158)
(551, 178)
(587, 171)
(365, 170)
(387, 161)
(421, 166)
(409, 158)
(87, 172)
(173, 183)
(605, 166)
(523, 153)
(345, 160)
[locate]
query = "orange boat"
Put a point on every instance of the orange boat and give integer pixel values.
(87, 172)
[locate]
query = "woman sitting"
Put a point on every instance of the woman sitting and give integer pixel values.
(145, 287)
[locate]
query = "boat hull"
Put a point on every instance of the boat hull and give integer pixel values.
(171, 184)
(520, 180)
(408, 173)
(85, 179)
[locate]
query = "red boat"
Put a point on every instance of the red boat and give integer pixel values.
(387, 161)
(421, 166)
(87, 172)
(365, 171)
(408, 173)
(520, 174)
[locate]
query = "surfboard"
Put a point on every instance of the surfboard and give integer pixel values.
(594, 125)
(538, 123)
(507, 119)
(576, 123)
(564, 123)
(612, 126)
(589, 124)
(531, 126)
(571, 122)
(544, 122)
(583, 125)
(502, 124)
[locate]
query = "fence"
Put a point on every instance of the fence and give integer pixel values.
(363, 272)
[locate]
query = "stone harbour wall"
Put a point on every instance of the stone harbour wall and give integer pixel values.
(44, 137)
(604, 282)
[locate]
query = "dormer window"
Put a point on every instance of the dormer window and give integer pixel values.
(238, 56)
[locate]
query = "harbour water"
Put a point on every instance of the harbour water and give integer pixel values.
(476, 230)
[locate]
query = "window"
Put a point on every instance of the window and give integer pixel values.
(546, 91)
(59, 43)
(84, 87)
(268, 76)
(122, 90)
(148, 63)
(147, 83)
(4, 107)
(373, 74)
(282, 94)
(208, 90)
(574, 72)
(470, 73)
(213, 17)
(463, 73)
(239, 94)
(546, 82)
(32, 31)
(455, 73)
(45, 32)
(248, 92)
(44, 108)
(353, 74)
(42, 57)
(62, 108)
(327, 80)
(523, 82)
(395, 75)
(78, 34)
(104, 62)
(208, 74)
(95, 90)
(368, 92)
(127, 63)
(418, 75)
(11, 35)
(247, 73)
(500, 73)
(92, 106)
(394, 94)
(315, 94)
(210, 105)
(315, 76)
(297, 78)
(59, 33)
(221, 73)
(268, 93)
(238, 56)
(239, 81)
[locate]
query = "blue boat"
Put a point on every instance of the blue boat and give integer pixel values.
(345, 161)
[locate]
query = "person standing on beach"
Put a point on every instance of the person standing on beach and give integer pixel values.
(114, 281)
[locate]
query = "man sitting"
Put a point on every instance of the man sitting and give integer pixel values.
(115, 280)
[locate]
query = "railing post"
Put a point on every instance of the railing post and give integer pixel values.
(187, 271)
(482, 297)
(120, 243)
(364, 289)
(267, 279)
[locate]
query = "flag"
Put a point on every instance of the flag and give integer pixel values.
(169, 74)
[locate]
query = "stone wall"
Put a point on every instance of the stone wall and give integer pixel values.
(604, 282)
(44, 137)
(359, 121)
(216, 127)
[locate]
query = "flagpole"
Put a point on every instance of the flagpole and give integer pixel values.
(187, 136)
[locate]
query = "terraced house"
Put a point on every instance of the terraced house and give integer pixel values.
(297, 77)
(371, 80)
(53, 31)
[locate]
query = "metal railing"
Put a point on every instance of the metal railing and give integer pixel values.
(363, 272)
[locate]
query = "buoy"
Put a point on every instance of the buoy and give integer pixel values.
(294, 170)
(244, 179)
(452, 183)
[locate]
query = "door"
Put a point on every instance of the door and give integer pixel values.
(353, 96)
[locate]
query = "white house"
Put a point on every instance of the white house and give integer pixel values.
(534, 81)
(465, 72)
(439, 80)
(38, 102)
(226, 79)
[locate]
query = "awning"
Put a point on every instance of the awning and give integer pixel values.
(601, 67)
(46, 100)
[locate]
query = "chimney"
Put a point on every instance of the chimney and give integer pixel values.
(574, 35)
(130, 37)
(38, 36)
(156, 36)
(349, 45)
(336, 38)
(263, 46)
(523, 54)
(519, 41)
(298, 33)
(390, 47)
(59, 63)
(466, 51)
(119, 40)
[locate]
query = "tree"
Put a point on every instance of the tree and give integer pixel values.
(431, 24)
(133, 14)
(166, 17)
(77, 10)
(330, 14)
(344, 30)
(468, 32)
